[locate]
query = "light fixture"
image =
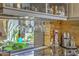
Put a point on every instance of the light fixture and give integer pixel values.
(26, 17)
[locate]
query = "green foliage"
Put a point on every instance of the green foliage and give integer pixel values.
(16, 46)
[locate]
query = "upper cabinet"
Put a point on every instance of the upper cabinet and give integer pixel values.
(25, 6)
(73, 10)
(54, 10)
(11, 5)
(57, 9)
(41, 10)
(48, 8)
(37, 7)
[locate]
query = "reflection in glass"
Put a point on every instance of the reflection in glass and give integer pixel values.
(20, 35)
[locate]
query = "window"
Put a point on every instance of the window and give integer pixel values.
(20, 34)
